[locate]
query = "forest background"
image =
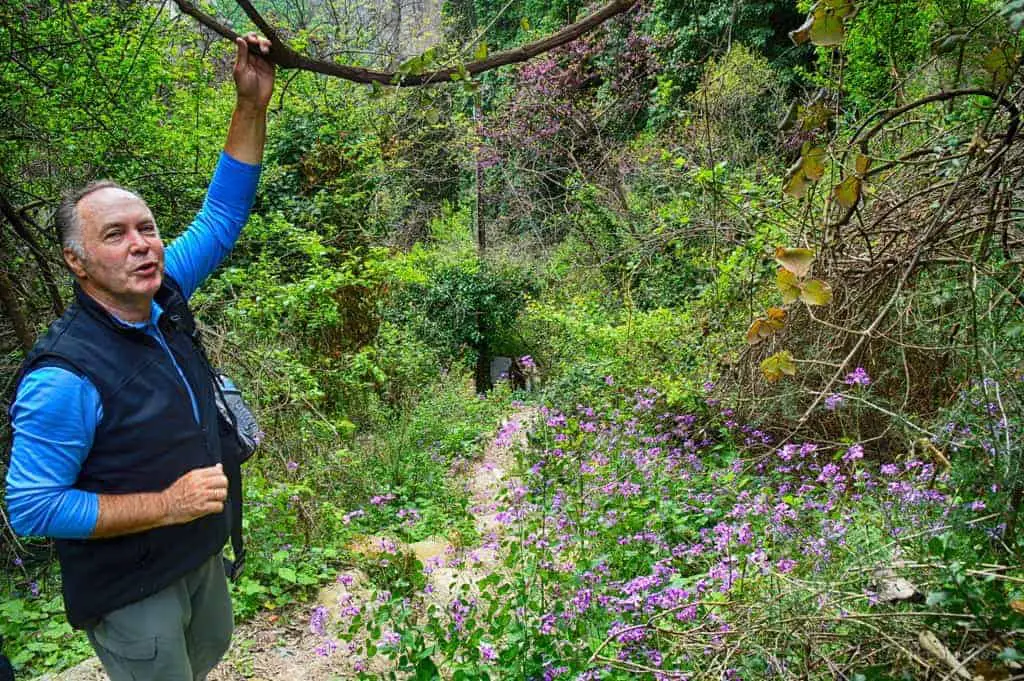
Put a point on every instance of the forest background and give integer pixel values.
(763, 259)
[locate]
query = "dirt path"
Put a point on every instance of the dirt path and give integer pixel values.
(281, 647)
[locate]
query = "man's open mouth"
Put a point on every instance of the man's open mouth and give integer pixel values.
(146, 270)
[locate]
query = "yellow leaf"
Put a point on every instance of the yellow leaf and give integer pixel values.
(814, 163)
(754, 333)
(796, 182)
(481, 51)
(847, 192)
(816, 292)
(789, 285)
(1017, 606)
(841, 8)
(796, 260)
(801, 35)
(524, 24)
(826, 29)
(776, 313)
(863, 163)
(778, 365)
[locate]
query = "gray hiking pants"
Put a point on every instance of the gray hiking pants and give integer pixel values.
(178, 634)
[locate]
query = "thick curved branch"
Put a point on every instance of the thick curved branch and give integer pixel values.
(287, 58)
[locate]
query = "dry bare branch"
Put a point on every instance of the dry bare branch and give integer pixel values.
(286, 58)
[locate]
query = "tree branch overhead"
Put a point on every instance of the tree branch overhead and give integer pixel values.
(287, 58)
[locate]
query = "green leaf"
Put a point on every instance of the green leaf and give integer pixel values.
(1000, 62)
(524, 23)
(480, 53)
(796, 260)
(426, 670)
(287, 574)
(816, 292)
(826, 29)
(789, 285)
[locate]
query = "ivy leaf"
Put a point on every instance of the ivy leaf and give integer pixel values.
(796, 260)
(789, 285)
(816, 292)
(847, 192)
(826, 29)
(480, 53)
(801, 35)
(778, 365)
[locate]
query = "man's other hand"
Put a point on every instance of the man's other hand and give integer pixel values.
(254, 75)
(198, 493)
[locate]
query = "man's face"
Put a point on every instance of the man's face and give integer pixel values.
(124, 256)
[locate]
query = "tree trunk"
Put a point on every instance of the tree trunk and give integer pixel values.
(17, 223)
(483, 354)
(12, 307)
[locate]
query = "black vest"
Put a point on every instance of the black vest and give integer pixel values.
(147, 439)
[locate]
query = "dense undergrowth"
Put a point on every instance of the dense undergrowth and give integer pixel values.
(771, 292)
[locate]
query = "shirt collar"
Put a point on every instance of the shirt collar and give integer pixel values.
(154, 318)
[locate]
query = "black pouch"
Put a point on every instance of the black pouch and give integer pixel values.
(239, 437)
(237, 414)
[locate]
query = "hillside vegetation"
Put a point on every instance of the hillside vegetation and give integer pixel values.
(761, 260)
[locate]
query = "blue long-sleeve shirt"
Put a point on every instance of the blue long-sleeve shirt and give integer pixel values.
(56, 411)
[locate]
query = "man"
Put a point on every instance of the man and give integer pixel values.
(116, 449)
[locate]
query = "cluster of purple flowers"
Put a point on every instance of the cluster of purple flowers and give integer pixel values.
(629, 514)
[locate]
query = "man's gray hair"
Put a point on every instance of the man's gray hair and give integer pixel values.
(69, 225)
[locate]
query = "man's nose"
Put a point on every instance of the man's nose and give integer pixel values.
(138, 243)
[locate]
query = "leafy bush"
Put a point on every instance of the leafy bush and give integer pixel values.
(737, 107)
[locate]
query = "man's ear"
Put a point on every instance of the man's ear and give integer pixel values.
(74, 262)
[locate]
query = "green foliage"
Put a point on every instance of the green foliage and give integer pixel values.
(44, 641)
(708, 28)
(738, 105)
(464, 306)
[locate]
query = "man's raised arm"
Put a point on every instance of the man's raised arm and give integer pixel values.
(254, 85)
(196, 253)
